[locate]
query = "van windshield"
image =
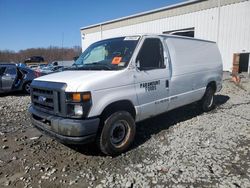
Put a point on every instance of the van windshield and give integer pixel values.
(110, 54)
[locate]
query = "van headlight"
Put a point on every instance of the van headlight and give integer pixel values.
(78, 104)
(78, 110)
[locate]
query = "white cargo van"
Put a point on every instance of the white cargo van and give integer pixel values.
(120, 81)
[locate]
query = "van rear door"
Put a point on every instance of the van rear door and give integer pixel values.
(152, 78)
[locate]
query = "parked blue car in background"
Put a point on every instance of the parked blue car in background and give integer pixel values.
(16, 78)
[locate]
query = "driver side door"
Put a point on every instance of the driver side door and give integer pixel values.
(8, 78)
(152, 78)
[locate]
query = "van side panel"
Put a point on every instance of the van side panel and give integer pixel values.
(194, 64)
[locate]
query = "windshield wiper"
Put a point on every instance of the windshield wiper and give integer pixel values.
(99, 64)
(70, 68)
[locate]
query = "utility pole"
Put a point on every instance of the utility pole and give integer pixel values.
(62, 44)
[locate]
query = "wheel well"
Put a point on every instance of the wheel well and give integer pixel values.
(118, 106)
(212, 84)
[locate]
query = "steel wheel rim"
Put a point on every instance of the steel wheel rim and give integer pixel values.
(210, 99)
(27, 87)
(118, 132)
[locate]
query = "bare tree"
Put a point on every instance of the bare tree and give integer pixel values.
(52, 53)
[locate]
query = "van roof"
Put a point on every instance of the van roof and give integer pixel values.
(162, 35)
(184, 37)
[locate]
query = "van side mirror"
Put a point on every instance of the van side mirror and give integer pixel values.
(137, 64)
(139, 67)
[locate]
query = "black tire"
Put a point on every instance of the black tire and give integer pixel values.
(207, 101)
(117, 133)
(26, 87)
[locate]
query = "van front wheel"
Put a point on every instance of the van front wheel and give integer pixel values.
(207, 102)
(117, 134)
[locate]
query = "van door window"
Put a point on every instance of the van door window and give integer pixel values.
(151, 55)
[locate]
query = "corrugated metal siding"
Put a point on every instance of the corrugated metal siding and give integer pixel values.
(180, 10)
(234, 35)
(234, 28)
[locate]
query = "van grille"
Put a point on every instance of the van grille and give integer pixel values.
(48, 97)
(43, 98)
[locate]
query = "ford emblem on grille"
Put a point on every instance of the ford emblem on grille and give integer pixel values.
(42, 99)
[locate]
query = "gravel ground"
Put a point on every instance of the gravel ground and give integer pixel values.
(181, 148)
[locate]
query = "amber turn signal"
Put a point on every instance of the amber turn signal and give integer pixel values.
(86, 96)
(76, 97)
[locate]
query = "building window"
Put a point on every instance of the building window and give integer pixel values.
(188, 32)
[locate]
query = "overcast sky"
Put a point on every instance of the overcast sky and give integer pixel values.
(41, 23)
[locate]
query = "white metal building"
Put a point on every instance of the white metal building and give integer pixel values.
(225, 21)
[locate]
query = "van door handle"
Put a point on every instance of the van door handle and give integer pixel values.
(167, 84)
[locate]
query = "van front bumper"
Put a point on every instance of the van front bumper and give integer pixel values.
(68, 131)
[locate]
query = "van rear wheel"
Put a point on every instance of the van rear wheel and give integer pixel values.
(207, 102)
(117, 134)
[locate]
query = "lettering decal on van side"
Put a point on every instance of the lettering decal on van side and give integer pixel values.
(150, 86)
(162, 101)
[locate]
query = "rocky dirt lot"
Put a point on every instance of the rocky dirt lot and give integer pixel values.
(182, 148)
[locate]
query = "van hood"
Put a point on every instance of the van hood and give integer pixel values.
(85, 80)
